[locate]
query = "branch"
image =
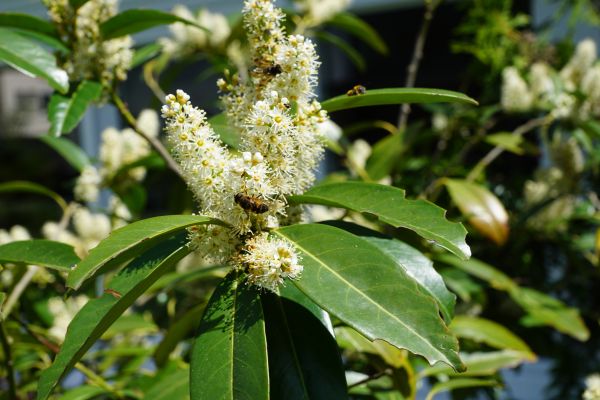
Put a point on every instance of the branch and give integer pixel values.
(154, 142)
(413, 67)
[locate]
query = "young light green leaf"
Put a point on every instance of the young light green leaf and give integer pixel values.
(45, 253)
(481, 270)
(64, 113)
(98, 314)
(507, 141)
(31, 187)
(481, 207)
(480, 364)
(136, 20)
(390, 206)
(360, 29)
(304, 361)
(229, 357)
(356, 282)
(489, 332)
(420, 268)
(32, 59)
(454, 384)
(28, 22)
(378, 97)
(130, 241)
(72, 153)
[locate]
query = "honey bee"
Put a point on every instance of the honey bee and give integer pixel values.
(356, 90)
(273, 70)
(250, 203)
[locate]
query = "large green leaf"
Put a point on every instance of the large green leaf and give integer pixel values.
(45, 253)
(454, 384)
(481, 207)
(72, 153)
(32, 59)
(378, 97)
(420, 268)
(292, 293)
(304, 361)
(229, 357)
(356, 282)
(31, 187)
(136, 20)
(130, 241)
(488, 332)
(360, 29)
(64, 113)
(480, 364)
(390, 206)
(28, 22)
(98, 314)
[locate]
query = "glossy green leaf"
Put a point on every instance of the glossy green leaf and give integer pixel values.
(378, 97)
(28, 22)
(31, 187)
(507, 141)
(480, 364)
(420, 268)
(45, 253)
(360, 29)
(176, 333)
(350, 339)
(132, 21)
(173, 386)
(481, 207)
(390, 206)
(145, 53)
(292, 293)
(454, 384)
(354, 281)
(32, 59)
(130, 241)
(50, 41)
(354, 55)
(545, 310)
(98, 314)
(83, 393)
(304, 361)
(72, 153)
(229, 357)
(489, 332)
(229, 135)
(64, 113)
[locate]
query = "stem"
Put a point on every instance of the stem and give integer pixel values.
(371, 378)
(154, 142)
(496, 151)
(8, 363)
(413, 67)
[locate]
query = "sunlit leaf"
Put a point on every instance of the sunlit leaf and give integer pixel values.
(506, 141)
(45, 253)
(350, 339)
(64, 113)
(481, 207)
(132, 21)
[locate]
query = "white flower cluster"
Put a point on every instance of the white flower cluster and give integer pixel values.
(279, 123)
(63, 311)
(118, 149)
(319, 11)
(592, 391)
(558, 92)
(188, 39)
(91, 57)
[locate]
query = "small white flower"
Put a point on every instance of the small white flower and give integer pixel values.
(592, 391)
(87, 186)
(516, 96)
(63, 311)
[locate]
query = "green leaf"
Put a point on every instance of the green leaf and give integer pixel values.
(173, 386)
(480, 364)
(304, 361)
(31, 187)
(77, 3)
(145, 53)
(64, 113)
(28, 22)
(507, 141)
(390, 206)
(454, 384)
(354, 55)
(489, 332)
(229, 357)
(136, 20)
(2, 299)
(229, 135)
(31, 59)
(72, 153)
(98, 314)
(83, 393)
(176, 333)
(131, 240)
(45, 253)
(360, 29)
(497, 279)
(378, 97)
(292, 293)
(354, 281)
(350, 339)
(384, 157)
(481, 207)
(420, 268)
